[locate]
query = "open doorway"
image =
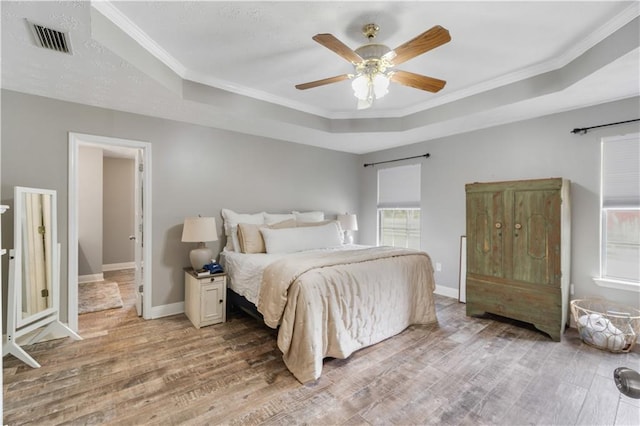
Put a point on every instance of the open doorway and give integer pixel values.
(117, 151)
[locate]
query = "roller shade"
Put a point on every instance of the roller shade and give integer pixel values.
(621, 172)
(399, 187)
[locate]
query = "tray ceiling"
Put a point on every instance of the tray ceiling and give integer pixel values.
(233, 65)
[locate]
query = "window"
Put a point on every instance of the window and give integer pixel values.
(399, 206)
(620, 202)
(399, 228)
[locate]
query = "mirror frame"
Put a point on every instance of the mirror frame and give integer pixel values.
(19, 212)
(48, 320)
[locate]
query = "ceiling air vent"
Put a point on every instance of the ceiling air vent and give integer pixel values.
(50, 38)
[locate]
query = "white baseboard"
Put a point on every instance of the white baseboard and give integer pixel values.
(118, 266)
(90, 278)
(446, 291)
(167, 310)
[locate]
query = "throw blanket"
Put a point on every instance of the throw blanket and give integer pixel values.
(331, 304)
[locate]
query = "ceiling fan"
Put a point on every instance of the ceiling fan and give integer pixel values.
(374, 64)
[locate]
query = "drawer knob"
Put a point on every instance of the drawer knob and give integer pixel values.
(221, 301)
(498, 225)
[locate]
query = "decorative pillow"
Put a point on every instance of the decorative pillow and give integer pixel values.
(231, 221)
(291, 240)
(250, 238)
(270, 218)
(308, 216)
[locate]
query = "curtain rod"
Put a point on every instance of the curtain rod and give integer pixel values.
(584, 130)
(427, 155)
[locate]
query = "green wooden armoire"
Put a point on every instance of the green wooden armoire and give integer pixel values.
(518, 251)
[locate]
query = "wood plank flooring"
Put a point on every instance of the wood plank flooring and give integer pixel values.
(461, 371)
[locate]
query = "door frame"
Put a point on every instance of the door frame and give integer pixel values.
(75, 141)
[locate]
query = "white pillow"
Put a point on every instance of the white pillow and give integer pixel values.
(250, 238)
(290, 240)
(308, 216)
(231, 221)
(270, 218)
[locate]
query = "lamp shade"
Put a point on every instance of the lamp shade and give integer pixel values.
(199, 229)
(349, 222)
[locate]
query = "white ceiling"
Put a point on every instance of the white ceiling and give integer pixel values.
(233, 65)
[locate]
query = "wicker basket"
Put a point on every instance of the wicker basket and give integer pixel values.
(606, 325)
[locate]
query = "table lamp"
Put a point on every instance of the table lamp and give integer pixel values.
(349, 223)
(199, 230)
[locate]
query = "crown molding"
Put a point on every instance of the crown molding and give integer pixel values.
(119, 19)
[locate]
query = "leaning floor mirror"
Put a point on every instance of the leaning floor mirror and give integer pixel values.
(33, 300)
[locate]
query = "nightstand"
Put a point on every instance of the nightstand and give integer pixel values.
(205, 298)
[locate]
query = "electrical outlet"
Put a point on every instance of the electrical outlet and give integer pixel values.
(438, 267)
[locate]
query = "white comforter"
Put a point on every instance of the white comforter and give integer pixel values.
(332, 304)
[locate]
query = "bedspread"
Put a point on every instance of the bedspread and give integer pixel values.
(332, 304)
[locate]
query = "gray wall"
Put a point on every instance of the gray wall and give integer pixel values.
(195, 170)
(537, 148)
(199, 170)
(89, 211)
(119, 210)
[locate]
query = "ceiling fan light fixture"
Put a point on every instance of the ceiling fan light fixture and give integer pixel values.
(360, 86)
(380, 85)
(364, 104)
(368, 87)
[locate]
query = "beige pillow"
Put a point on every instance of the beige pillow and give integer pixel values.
(250, 237)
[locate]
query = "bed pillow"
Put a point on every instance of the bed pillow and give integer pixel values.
(290, 240)
(231, 221)
(250, 237)
(322, 222)
(270, 218)
(308, 216)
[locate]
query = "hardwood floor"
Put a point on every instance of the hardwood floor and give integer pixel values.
(463, 370)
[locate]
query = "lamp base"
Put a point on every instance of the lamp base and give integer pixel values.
(348, 237)
(200, 256)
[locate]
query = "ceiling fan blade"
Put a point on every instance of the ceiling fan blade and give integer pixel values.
(332, 43)
(418, 81)
(430, 39)
(311, 84)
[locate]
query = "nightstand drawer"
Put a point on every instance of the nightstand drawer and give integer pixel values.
(214, 279)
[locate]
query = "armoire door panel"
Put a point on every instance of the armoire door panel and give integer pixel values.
(535, 237)
(485, 247)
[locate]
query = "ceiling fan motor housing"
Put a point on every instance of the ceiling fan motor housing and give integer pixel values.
(373, 50)
(373, 61)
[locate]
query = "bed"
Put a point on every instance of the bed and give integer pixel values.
(326, 298)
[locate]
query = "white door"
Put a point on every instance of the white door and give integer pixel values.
(138, 230)
(142, 241)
